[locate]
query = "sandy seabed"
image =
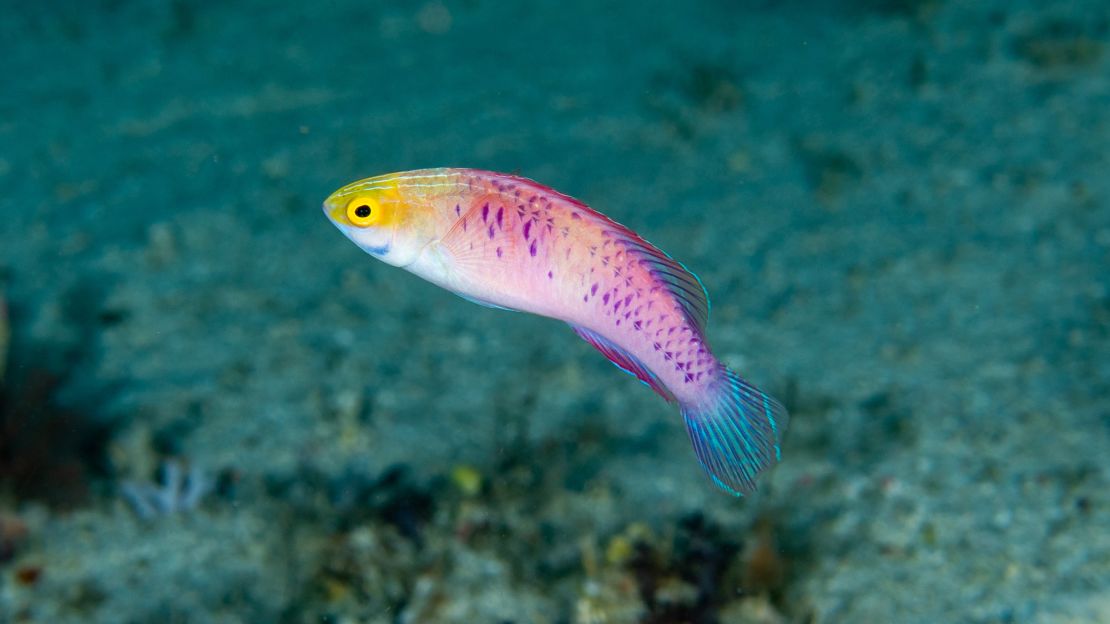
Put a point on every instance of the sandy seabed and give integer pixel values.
(901, 211)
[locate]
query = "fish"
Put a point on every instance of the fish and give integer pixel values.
(504, 241)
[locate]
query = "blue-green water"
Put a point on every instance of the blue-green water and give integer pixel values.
(216, 409)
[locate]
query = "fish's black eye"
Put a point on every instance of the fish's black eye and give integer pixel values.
(363, 211)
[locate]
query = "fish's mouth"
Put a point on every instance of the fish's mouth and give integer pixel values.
(334, 210)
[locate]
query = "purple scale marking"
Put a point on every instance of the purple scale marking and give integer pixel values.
(605, 298)
(527, 229)
(500, 211)
(491, 231)
(458, 211)
(498, 252)
(549, 276)
(532, 249)
(593, 289)
(485, 212)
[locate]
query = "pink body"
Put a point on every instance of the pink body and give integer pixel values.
(519, 245)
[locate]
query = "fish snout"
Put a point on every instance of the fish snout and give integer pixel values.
(334, 209)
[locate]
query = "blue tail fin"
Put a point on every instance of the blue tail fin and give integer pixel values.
(736, 432)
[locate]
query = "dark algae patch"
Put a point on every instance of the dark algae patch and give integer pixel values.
(1063, 43)
(699, 555)
(53, 440)
(691, 94)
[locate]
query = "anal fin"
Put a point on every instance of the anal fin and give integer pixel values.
(624, 360)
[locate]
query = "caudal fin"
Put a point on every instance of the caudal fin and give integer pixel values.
(736, 432)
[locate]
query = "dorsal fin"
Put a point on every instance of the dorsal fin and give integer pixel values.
(624, 360)
(684, 285)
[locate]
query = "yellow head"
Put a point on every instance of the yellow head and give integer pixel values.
(383, 218)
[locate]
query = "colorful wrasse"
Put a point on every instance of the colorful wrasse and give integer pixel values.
(507, 242)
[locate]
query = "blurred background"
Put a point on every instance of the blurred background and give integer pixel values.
(213, 408)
